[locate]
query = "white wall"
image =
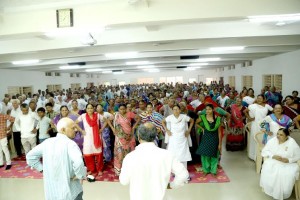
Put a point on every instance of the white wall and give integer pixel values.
(132, 78)
(38, 80)
(287, 64)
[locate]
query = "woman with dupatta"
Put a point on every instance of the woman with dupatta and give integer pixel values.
(124, 136)
(273, 122)
(92, 145)
(64, 112)
(104, 116)
(211, 142)
(235, 139)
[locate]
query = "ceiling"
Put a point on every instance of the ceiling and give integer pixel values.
(160, 31)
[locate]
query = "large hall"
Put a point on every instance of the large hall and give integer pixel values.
(226, 71)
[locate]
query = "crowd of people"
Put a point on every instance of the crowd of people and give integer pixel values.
(190, 119)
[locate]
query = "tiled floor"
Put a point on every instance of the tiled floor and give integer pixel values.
(243, 185)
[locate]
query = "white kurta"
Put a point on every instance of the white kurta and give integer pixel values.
(147, 170)
(278, 178)
(178, 144)
(88, 140)
(258, 112)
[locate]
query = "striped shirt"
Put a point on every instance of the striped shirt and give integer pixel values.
(62, 161)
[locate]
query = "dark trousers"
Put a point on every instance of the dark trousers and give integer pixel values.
(17, 142)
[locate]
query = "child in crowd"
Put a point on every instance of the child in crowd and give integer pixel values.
(3, 139)
(44, 125)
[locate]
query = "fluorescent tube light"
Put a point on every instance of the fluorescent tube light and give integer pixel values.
(117, 73)
(233, 48)
(153, 70)
(66, 67)
(145, 66)
(106, 72)
(138, 63)
(93, 70)
(25, 62)
(121, 54)
(198, 64)
(274, 18)
(207, 59)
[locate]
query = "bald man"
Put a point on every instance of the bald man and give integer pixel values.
(148, 168)
(62, 166)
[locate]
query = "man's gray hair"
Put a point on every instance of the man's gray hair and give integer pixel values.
(147, 132)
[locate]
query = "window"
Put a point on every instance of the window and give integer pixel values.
(247, 81)
(209, 80)
(53, 88)
(171, 80)
(179, 79)
(57, 74)
(162, 79)
(145, 80)
(11, 90)
(122, 83)
(71, 75)
(77, 75)
(273, 80)
(231, 80)
(48, 74)
(75, 86)
(192, 80)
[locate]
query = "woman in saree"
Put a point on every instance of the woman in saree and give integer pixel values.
(124, 136)
(255, 113)
(280, 168)
(64, 112)
(235, 139)
(104, 116)
(273, 122)
(290, 108)
(75, 110)
(211, 142)
(92, 145)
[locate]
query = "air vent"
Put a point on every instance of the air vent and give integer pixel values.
(77, 63)
(48, 74)
(57, 74)
(181, 67)
(188, 57)
(71, 75)
(77, 75)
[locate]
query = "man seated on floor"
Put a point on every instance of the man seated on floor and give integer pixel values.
(148, 168)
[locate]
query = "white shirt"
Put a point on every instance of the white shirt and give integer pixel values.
(222, 100)
(4, 108)
(15, 113)
(195, 103)
(62, 161)
(25, 124)
(43, 126)
(249, 100)
(147, 169)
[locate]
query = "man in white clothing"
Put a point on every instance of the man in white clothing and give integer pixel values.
(63, 166)
(26, 123)
(148, 168)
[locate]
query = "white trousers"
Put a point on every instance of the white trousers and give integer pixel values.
(28, 143)
(184, 164)
(4, 148)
